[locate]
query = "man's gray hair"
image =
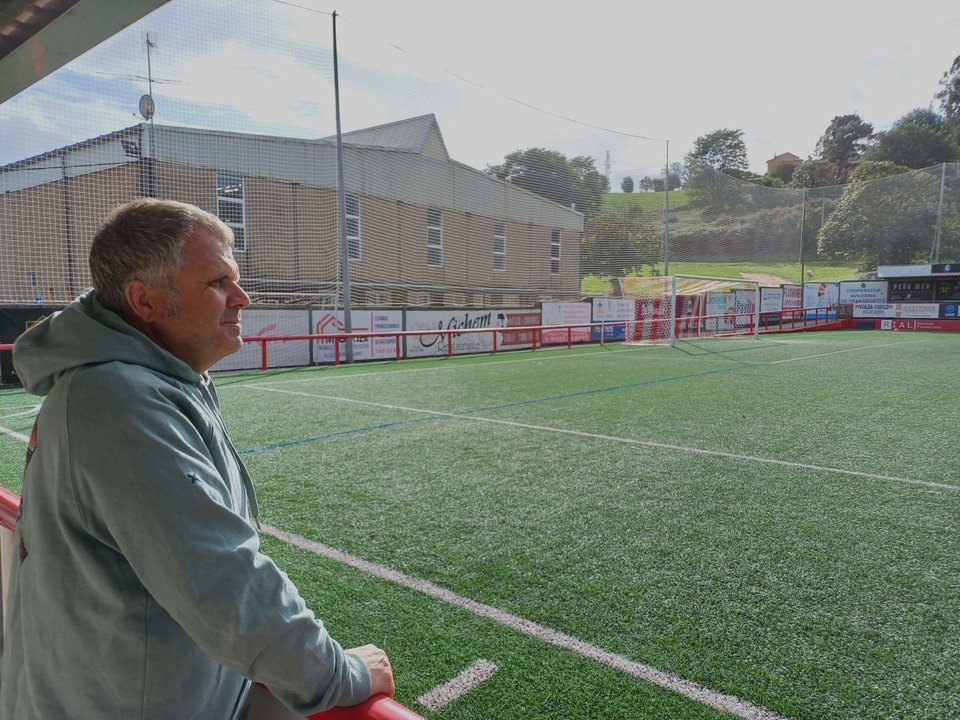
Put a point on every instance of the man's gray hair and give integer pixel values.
(143, 240)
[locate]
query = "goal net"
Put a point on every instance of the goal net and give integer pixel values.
(668, 308)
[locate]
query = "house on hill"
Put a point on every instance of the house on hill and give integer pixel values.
(783, 165)
(422, 229)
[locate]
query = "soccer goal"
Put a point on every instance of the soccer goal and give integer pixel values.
(672, 307)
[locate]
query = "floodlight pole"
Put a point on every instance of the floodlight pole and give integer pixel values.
(666, 213)
(936, 235)
(803, 214)
(342, 198)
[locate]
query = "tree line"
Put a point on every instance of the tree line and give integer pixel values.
(864, 225)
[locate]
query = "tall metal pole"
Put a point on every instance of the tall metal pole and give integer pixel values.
(936, 235)
(666, 213)
(803, 215)
(342, 192)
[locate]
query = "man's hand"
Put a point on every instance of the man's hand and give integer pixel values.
(381, 674)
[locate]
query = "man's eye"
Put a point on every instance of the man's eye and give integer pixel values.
(216, 283)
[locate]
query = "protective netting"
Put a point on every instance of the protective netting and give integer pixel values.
(456, 194)
(680, 307)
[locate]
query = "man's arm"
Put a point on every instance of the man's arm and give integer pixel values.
(147, 485)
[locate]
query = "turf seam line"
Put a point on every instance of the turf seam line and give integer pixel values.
(633, 441)
(455, 688)
(720, 701)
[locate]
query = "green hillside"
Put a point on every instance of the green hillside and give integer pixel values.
(644, 200)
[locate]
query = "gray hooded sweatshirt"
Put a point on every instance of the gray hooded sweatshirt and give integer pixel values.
(138, 590)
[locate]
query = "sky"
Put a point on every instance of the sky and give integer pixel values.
(604, 77)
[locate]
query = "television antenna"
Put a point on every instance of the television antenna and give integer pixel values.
(146, 105)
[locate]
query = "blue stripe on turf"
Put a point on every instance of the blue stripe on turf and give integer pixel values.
(491, 408)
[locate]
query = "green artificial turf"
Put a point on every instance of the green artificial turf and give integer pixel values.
(809, 566)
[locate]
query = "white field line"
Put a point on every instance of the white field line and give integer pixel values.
(837, 352)
(725, 703)
(14, 434)
(627, 441)
(464, 366)
(33, 409)
(455, 688)
(720, 701)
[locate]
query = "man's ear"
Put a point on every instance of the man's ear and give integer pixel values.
(143, 302)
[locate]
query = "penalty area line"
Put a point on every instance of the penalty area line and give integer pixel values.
(720, 701)
(455, 688)
(14, 434)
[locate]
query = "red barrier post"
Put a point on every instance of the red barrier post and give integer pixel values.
(263, 354)
(494, 340)
(397, 336)
(449, 343)
(336, 351)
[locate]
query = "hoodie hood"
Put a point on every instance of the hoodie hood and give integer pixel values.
(87, 333)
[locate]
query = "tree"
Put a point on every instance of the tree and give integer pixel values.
(616, 242)
(949, 95)
(889, 222)
(874, 170)
(919, 139)
(723, 150)
(627, 184)
(646, 184)
(844, 141)
(815, 173)
(679, 173)
(550, 174)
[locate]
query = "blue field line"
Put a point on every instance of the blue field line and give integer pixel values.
(340, 433)
(474, 411)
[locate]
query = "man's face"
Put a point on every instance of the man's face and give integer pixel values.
(207, 326)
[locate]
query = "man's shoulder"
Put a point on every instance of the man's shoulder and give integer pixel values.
(120, 382)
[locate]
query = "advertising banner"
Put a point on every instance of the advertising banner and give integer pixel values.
(917, 310)
(950, 311)
(820, 294)
(381, 348)
(609, 310)
(430, 344)
(771, 299)
(259, 323)
(874, 310)
(792, 297)
(575, 313)
(864, 293)
(936, 325)
(719, 312)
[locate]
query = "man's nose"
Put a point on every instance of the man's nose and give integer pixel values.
(240, 299)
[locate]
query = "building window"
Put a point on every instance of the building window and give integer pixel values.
(499, 245)
(555, 252)
(434, 237)
(353, 226)
(230, 207)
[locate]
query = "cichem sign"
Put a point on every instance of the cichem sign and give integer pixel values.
(501, 320)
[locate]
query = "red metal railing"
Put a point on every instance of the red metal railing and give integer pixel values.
(795, 320)
(379, 707)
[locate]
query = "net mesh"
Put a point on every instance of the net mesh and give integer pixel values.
(682, 307)
(457, 193)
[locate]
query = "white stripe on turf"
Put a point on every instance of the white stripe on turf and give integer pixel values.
(854, 349)
(14, 434)
(720, 701)
(32, 411)
(627, 441)
(455, 688)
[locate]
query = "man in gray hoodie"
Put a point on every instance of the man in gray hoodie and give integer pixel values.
(138, 589)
